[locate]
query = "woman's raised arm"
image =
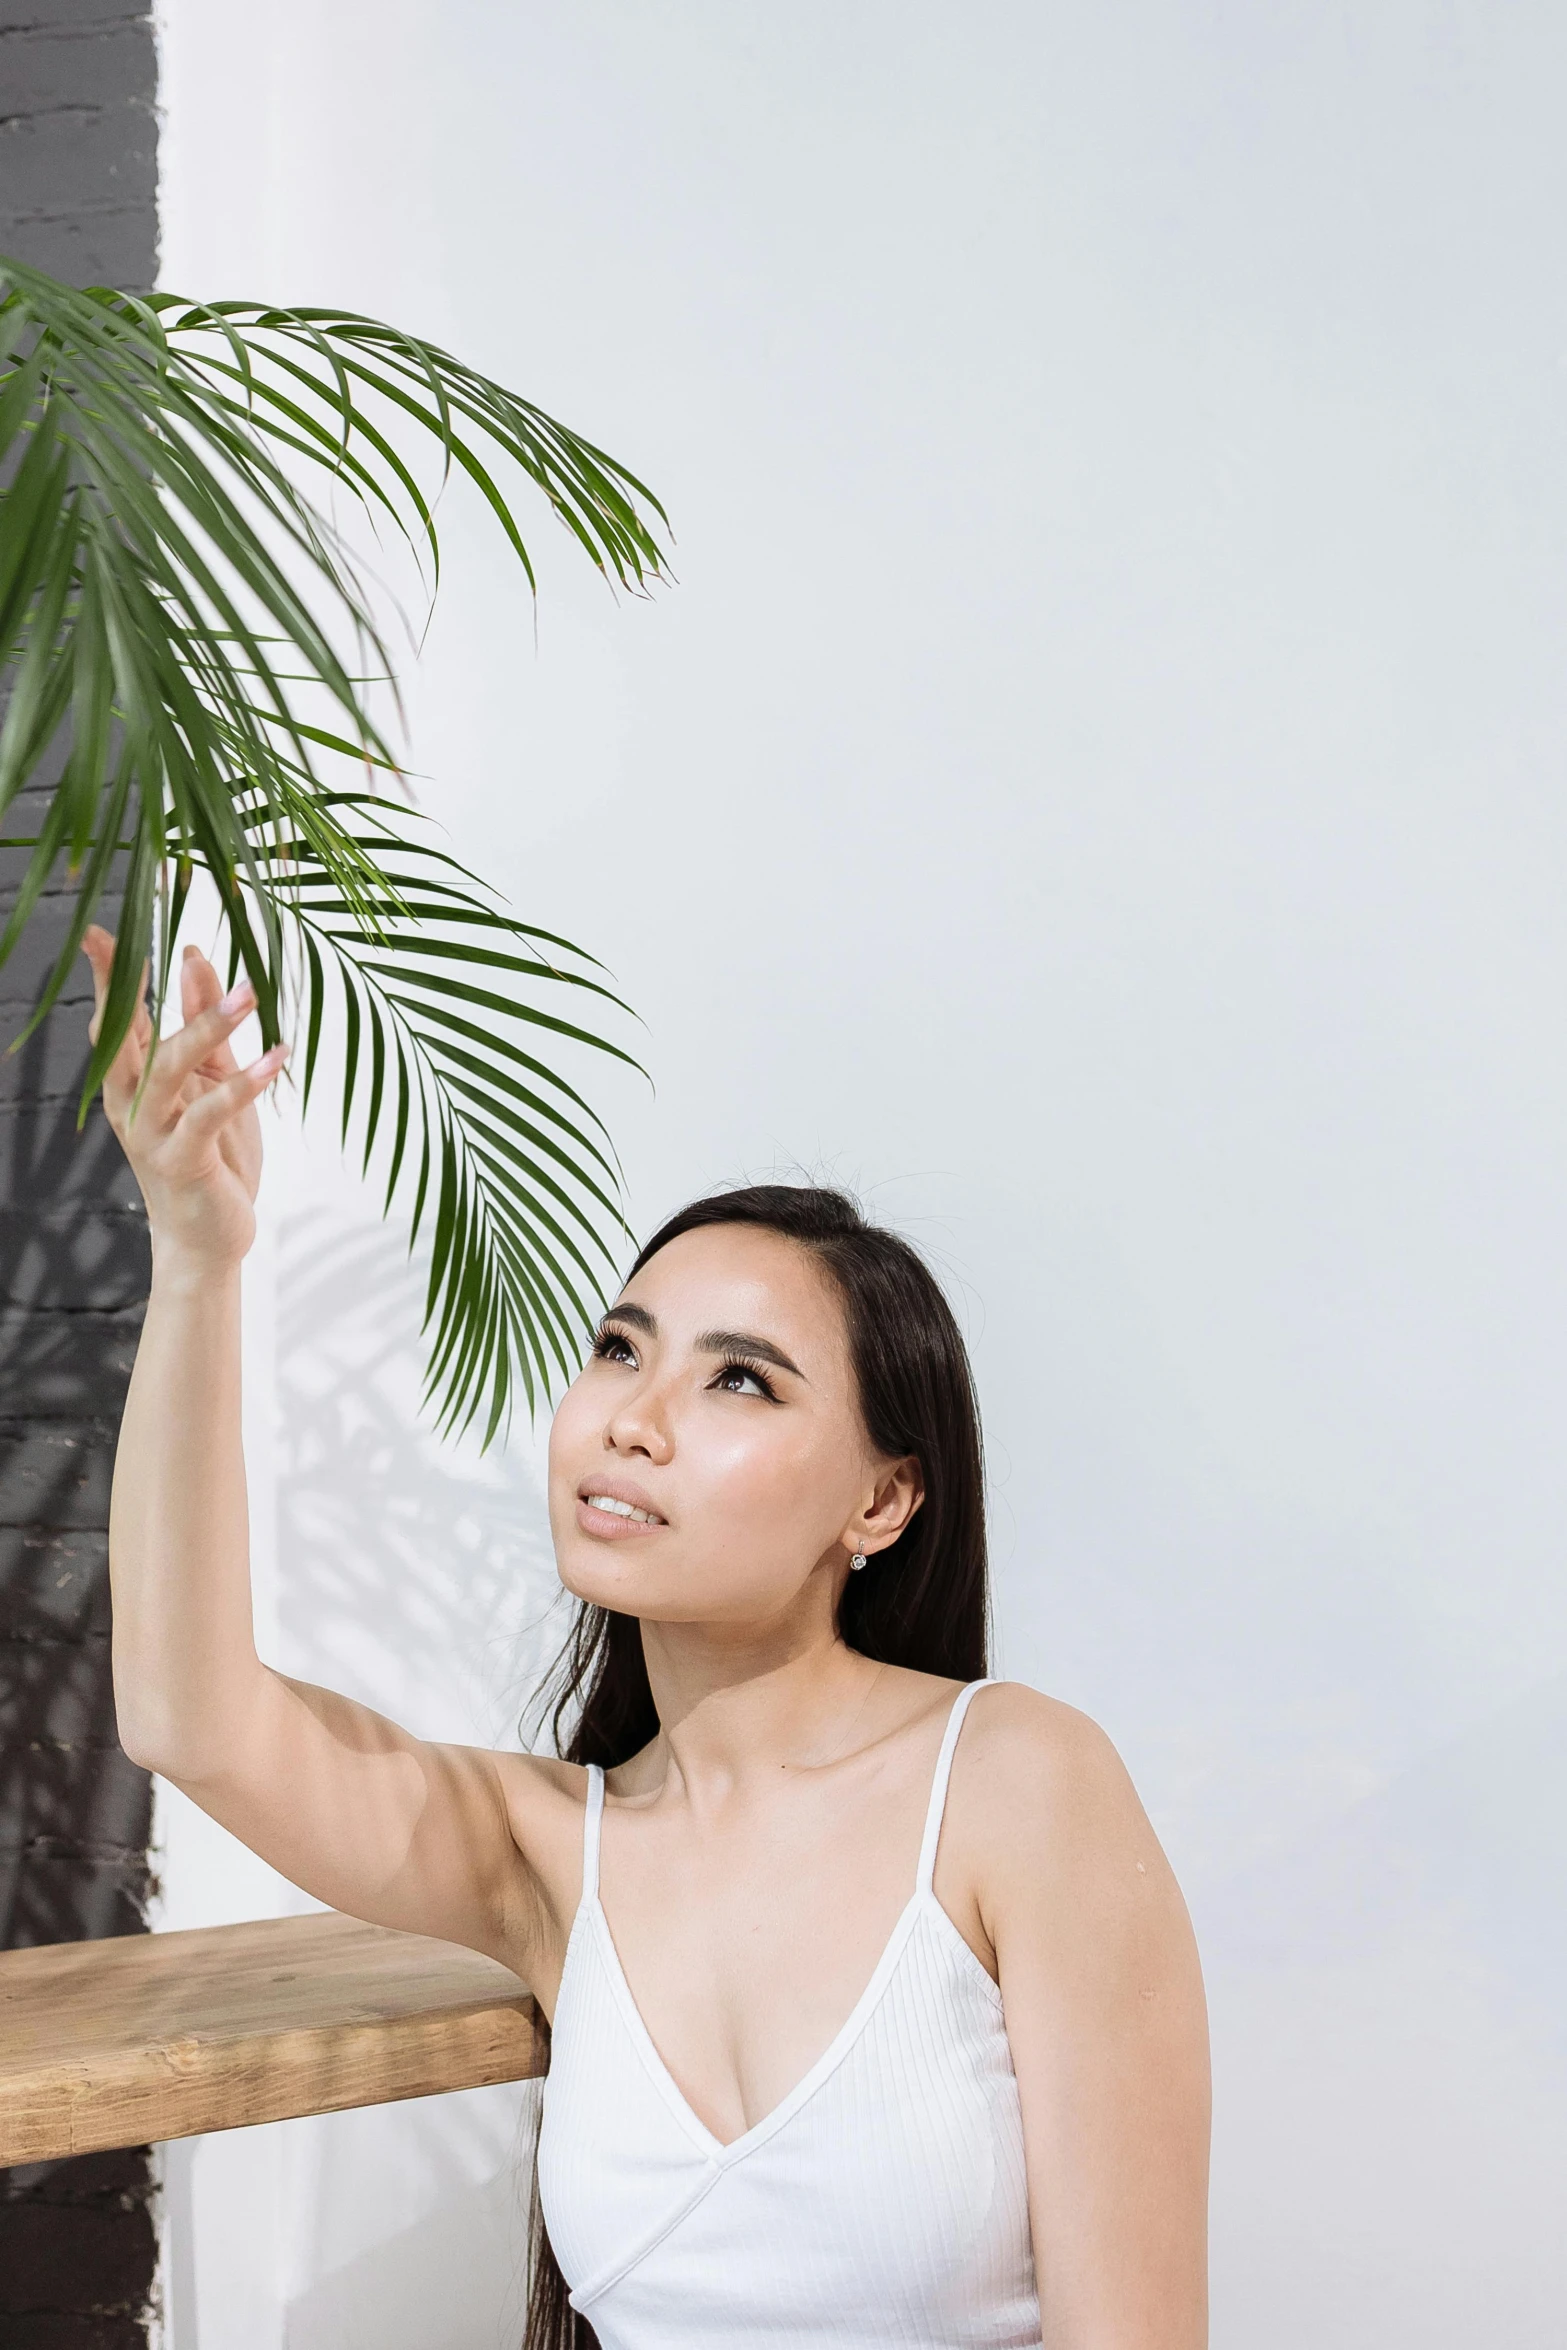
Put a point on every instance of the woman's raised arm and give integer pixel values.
(340, 1800)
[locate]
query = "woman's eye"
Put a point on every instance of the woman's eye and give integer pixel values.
(740, 1379)
(610, 1347)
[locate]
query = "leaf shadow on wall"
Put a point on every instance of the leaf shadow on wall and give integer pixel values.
(412, 1571)
(417, 1576)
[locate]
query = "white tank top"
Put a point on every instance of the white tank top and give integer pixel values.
(882, 2203)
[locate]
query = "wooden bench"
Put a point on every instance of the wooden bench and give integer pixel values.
(152, 2036)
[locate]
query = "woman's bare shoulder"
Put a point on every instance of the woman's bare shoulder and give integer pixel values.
(1039, 1784)
(1011, 1726)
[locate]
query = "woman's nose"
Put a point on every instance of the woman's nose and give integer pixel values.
(640, 1426)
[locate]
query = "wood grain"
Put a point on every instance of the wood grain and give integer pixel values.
(151, 2036)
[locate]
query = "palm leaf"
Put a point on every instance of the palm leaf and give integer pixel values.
(515, 1168)
(190, 634)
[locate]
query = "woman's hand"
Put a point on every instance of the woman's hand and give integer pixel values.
(193, 1139)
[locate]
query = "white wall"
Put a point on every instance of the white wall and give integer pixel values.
(1100, 787)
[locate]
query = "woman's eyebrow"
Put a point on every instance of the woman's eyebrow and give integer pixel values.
(745, 1342)
(637, 1316)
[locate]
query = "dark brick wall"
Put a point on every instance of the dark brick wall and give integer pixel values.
(74, 1264)
(78, 160)
(79, 140)
(78, 2248)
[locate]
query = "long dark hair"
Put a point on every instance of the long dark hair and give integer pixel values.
(924, 1602)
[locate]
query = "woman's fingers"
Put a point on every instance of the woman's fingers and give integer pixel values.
(196, 1047)
(201, 990)
(124, 1072)
(202, 1122)
(203, 1047)
(98, 947)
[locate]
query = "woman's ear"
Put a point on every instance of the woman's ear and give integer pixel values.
(899, 1492)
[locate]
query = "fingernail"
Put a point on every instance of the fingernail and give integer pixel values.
(240, 997)
(274, 1059)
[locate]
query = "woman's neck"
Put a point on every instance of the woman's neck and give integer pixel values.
(735, 1704)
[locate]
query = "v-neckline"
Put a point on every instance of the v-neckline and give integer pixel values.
(720, 2151)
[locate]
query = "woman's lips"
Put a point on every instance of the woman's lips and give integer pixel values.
(613, 1525)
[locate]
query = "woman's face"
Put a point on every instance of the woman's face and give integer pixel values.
(711, 1457)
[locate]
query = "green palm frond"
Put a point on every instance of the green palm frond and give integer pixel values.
(190, 637)
(444, 1031)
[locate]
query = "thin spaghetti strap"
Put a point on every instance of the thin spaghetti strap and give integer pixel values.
(938, 1793)
(591, 1821)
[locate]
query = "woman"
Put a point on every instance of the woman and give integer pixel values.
(874, 2000)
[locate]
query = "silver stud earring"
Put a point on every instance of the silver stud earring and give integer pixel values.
(857, 1562)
